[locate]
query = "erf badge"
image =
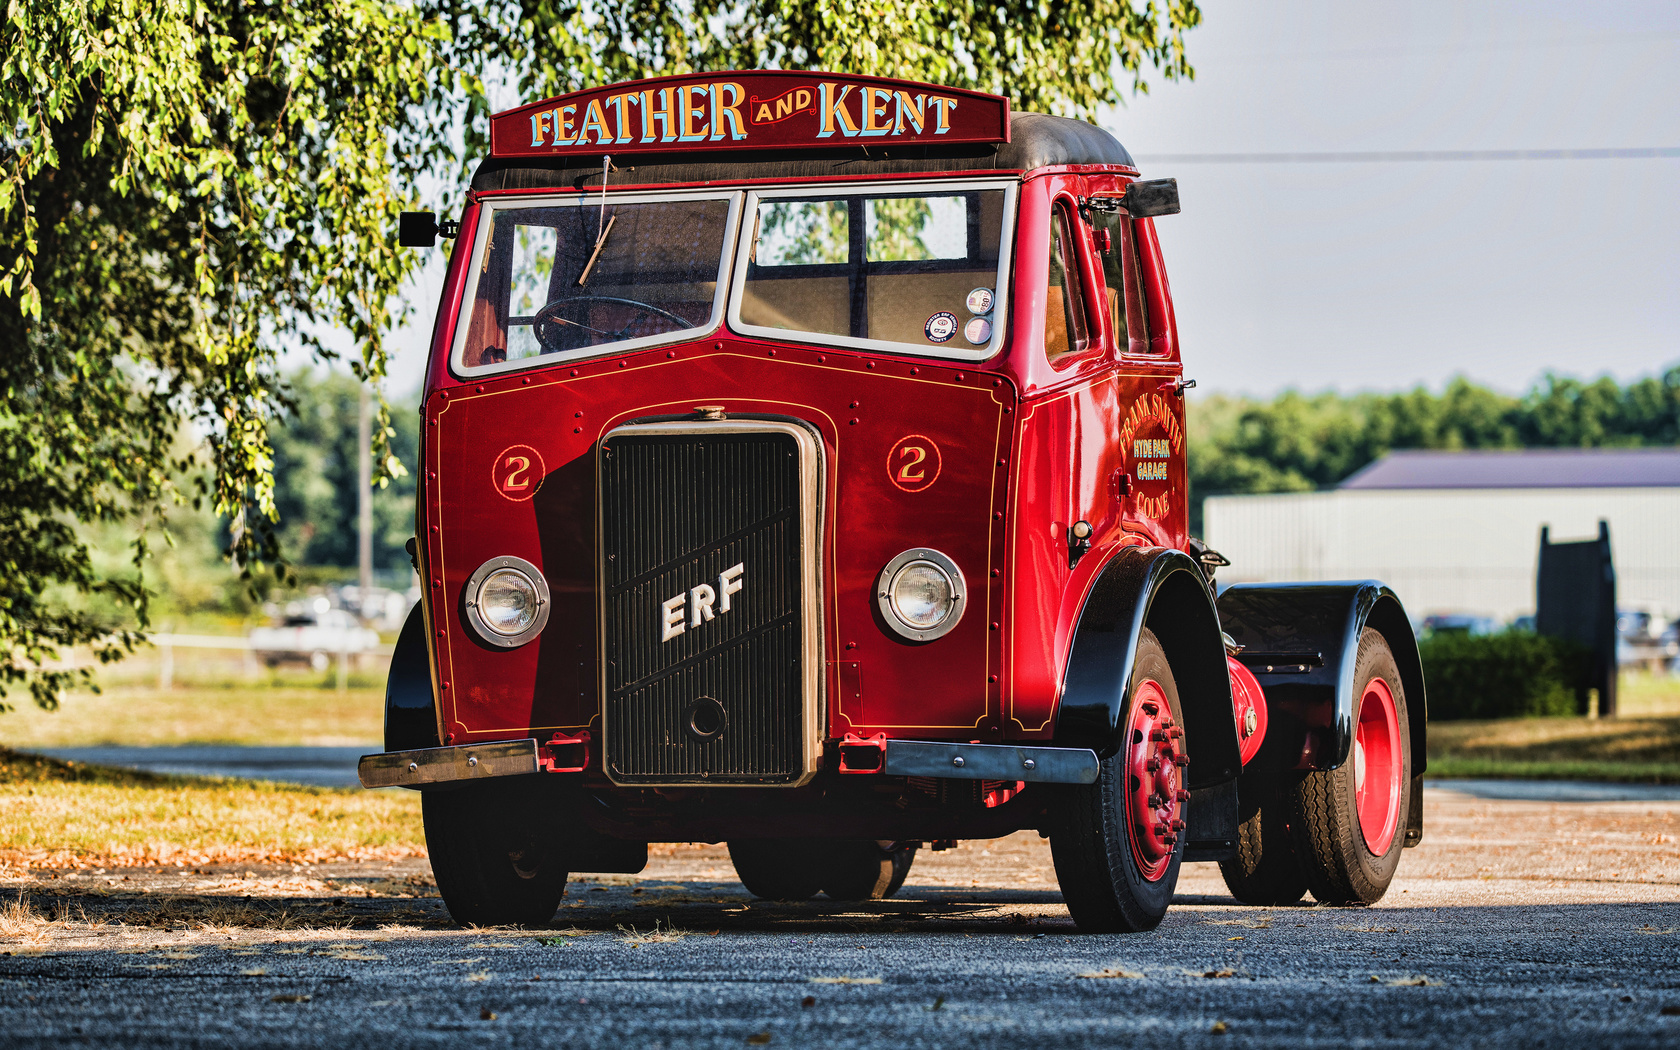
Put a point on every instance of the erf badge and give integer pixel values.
(941, 327)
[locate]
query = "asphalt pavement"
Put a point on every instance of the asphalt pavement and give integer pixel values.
(1517, 923)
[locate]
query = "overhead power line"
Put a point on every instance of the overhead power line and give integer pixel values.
(1411, 156)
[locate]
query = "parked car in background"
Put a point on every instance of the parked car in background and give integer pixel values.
(1460, 624)
(312, 632)
(1646, 637)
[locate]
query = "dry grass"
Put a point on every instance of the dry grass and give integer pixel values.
(54, 814)
(1624, 748)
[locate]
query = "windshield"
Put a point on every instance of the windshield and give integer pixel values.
(573, 278)
(889, 269)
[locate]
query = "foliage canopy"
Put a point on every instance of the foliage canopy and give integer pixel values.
(190, 187)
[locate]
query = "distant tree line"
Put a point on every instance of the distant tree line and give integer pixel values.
(1299, 442)
(315, 475)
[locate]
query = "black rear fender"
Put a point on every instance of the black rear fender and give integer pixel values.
(1316, 626)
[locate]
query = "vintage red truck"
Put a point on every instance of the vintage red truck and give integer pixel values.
(804, 469)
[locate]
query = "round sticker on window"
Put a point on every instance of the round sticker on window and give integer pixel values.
(980, 301)
(941, 327)
(978, 330)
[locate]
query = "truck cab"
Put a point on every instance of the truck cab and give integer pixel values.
(804, 469)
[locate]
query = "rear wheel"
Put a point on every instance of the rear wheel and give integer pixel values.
(775, 869)
(1347, 821)
(799, 869)
(863, 869)
(493, 864)
(1265, 870)
(1120, 840)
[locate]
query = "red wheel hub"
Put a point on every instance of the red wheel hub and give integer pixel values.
(1154, 763)
(1377, 766)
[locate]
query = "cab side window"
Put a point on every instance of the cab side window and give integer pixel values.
(1122, 280)
(1066, 328)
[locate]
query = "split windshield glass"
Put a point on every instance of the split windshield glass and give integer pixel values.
(893, 270)
(575, 279)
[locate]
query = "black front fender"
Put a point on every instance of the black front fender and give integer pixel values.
(1162, 589)
(410, 706)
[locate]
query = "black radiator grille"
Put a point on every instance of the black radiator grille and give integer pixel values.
(678, 512)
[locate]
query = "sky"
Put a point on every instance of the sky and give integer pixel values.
(1381, 275)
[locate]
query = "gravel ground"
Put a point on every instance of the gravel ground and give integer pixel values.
(1516, 923)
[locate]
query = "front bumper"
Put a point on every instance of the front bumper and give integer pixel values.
(917, 758)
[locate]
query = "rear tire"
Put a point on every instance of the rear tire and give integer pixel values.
(1265, 871)
(493, 864)
(775, 869)
(1348, 824)
(1120, 841)
(863, 869)
(799, 869)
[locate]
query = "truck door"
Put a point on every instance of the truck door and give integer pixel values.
(1151, 441)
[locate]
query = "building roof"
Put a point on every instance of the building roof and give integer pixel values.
(1036, 140)
(1535, 468)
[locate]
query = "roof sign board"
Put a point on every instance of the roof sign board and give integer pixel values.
(768, 109)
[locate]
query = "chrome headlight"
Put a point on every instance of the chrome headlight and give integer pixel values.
(507, 601)
(922, 594)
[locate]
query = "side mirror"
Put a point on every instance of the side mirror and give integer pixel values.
(419, 229)
(1145, 200)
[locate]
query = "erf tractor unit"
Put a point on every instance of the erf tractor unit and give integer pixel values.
(804, 469)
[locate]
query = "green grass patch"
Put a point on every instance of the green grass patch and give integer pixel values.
(251, 715)
(1643, 750)
(1454, 767)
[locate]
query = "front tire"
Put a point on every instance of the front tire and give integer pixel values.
(1348, 824)
(493, 864)
(1120, 840)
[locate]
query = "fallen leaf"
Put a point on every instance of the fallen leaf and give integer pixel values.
(1236, 938)
(480, 975)
(486, 1014)
(288, 998)
(1112, 971)
(845, 980)
(938, 1003)
(761, 1039)
(1220, 973)
(255, 971)
(1218, 1028)
(1418, 981)
(809, 1000)
(1670, 1011)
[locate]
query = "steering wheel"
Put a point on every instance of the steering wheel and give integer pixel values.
(547, 324)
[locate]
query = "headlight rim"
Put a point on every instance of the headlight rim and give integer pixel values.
(470, 595)
(959, 594)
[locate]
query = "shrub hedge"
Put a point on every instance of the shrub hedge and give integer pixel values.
(1511, 675)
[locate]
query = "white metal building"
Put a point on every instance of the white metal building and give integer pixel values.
(1459, 532)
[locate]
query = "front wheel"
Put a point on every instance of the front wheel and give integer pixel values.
(1347, 822)
(1119, 841)
(493, 863)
